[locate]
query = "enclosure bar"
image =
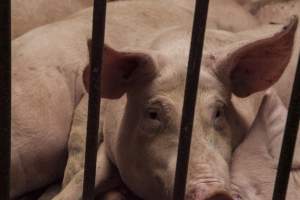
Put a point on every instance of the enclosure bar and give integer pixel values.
(5, 98)
(98, 33)
(289, 140)
(190, 96)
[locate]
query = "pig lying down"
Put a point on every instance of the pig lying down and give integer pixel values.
(140, 130)
(48, 65)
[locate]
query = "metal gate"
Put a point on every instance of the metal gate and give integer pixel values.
(193, 71)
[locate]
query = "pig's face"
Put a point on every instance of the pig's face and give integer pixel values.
(145, 148)
(147, 160)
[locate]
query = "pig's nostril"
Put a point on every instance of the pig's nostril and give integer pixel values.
(220, 196)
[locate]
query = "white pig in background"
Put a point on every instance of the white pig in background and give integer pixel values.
(28, 14)
(254, 162)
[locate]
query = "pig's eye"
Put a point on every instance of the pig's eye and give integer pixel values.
(219, 119)
(152, 119)
(152, 114)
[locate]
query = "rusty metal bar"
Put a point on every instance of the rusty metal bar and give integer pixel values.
(98, 33)
(190, 97)
(289, 141)
(5, 98)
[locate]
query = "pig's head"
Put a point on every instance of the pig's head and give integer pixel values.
(142, 142)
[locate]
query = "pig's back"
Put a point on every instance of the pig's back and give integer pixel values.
(30, 14)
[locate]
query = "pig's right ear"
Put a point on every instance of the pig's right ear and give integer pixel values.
(255, 64)
(121, 71)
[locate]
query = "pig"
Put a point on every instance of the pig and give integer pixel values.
(26, 15)
(140, 130)
(237, 17)
(51, 72)
(278, 13)
(47, 85)
(254, 162)
(48, 65)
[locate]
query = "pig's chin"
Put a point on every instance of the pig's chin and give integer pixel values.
(207, 190)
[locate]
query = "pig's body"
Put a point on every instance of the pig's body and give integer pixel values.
(30, 14)
(253, 178)
(47, 85)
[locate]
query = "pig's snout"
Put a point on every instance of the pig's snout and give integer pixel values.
(208, 193)
(216, 196)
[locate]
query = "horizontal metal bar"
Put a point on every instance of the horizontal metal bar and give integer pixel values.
(289, 141)
(99, 13)
(5, 98)
(190, 95)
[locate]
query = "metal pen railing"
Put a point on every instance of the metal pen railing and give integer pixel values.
(190, 96)
(99, 14)
(5, 98)
(289, 140)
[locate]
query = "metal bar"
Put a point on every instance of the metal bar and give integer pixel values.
(190, 96)
(5, 98)
(98, 33)
(289, 141)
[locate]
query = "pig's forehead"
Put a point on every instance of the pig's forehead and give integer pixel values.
(174, 80)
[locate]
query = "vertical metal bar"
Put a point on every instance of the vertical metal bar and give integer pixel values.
(289, 141)
(5, 98)
(98, 33)
(190, 96)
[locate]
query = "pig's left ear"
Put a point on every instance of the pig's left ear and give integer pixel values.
(122, 71)
(256, 64)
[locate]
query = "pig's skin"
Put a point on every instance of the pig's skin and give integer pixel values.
(121, 145)
(254, 163)
(26, 15)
